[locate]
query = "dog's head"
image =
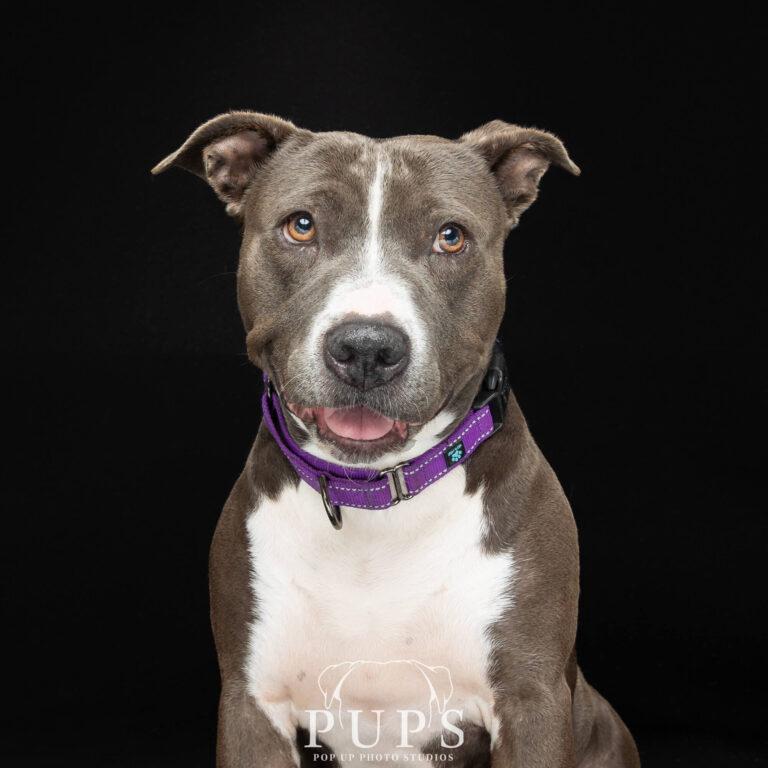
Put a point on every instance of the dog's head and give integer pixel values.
(371, 280)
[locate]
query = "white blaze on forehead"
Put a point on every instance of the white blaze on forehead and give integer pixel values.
(375, 204)
(374, 289)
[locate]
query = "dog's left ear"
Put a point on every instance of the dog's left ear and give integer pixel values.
(518, 158)
(227, 152)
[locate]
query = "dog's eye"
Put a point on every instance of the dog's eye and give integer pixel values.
(299, 228)
(450, 239)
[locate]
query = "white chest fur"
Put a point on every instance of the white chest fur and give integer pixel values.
(410, 586)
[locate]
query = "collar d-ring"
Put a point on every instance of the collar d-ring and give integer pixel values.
(333, 512)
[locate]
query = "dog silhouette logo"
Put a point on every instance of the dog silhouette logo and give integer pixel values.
(426, 691)
(437, 683)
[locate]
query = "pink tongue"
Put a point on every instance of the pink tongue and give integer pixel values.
(358, 423)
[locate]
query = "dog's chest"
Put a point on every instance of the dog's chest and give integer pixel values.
(388, 614)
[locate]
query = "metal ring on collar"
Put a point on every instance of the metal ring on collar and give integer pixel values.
(333, 512)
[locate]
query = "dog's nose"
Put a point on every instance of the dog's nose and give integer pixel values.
(366, 354)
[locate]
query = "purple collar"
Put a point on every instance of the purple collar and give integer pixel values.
(341, 486)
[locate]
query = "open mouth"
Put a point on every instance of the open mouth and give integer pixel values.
(358, 425)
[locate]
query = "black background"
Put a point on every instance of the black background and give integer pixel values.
(632, 334)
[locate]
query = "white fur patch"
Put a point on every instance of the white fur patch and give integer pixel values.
(373, 249)
(370, 290)
(407, 584)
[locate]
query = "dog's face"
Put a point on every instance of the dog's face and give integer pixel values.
(371, 279)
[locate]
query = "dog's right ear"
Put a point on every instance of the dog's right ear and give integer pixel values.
(518, 158)
(228, 150)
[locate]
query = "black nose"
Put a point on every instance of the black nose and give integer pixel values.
(366, 354)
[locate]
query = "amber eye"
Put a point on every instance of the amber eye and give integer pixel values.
(299, 228)
(450, 239)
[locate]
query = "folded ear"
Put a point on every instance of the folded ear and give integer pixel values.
(228, 150)
(518, 157)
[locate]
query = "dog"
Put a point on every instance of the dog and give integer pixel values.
(395, 574)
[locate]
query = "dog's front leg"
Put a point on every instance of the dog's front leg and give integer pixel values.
(246, 737)
(535, 728)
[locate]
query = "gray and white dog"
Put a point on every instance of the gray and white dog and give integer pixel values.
(371, 286)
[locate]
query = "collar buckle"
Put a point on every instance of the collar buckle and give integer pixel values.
(494, 391)
(397, 482)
